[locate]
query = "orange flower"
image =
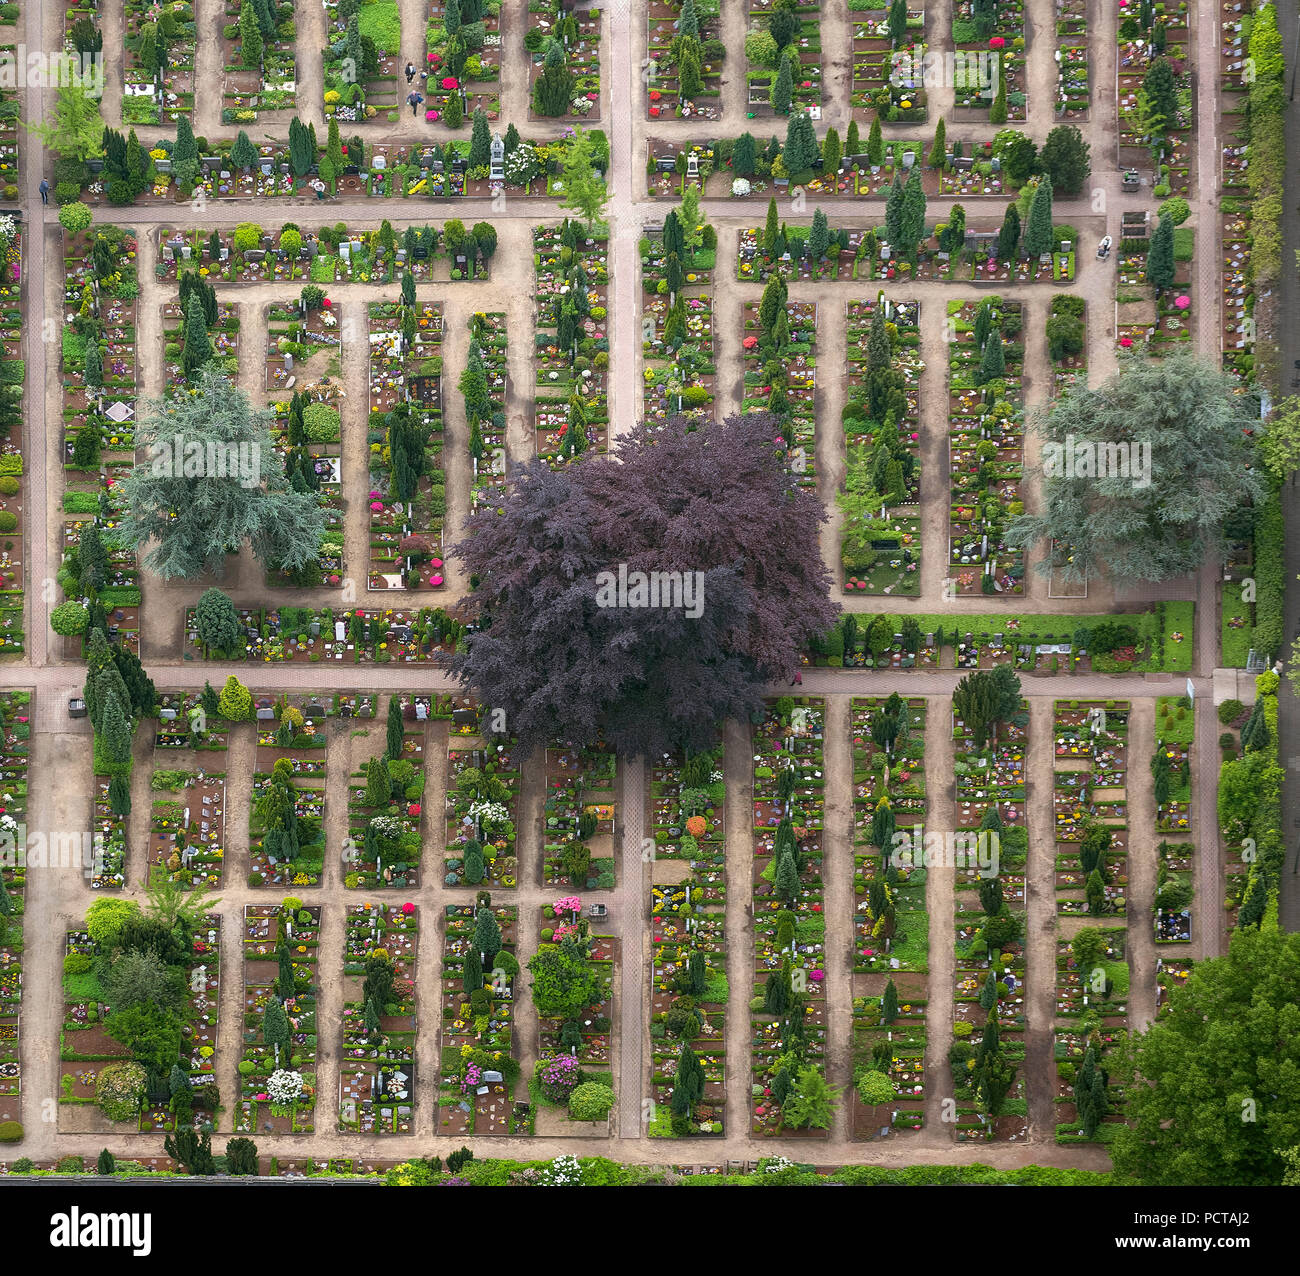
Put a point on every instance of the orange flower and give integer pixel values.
(696, 825)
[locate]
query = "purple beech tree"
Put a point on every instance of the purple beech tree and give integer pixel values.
(718, 501)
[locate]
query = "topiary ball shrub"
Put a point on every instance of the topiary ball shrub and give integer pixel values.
(119, 1089)
(11, 1131)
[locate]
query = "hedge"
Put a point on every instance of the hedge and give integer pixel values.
(1270, 575)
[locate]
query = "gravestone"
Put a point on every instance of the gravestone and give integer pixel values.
(497, 159)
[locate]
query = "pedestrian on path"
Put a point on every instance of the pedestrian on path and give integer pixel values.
(415, 99)
(45, 191)
(410, 72)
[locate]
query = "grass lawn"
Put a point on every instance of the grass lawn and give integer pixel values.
(1173, 729)
(383, 24)
(1234, 643)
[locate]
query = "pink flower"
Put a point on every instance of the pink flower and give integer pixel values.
(996, 42)
(435, 581)
(450, 82)
(376, 506)
(408, 909)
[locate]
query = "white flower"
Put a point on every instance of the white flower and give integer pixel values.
(740, 187)
(284, 1085)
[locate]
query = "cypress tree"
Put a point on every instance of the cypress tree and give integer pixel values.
(396, 730)
(782, 94)
(1038, 233)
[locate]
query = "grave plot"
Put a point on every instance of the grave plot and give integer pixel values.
(1092, 983)
(103, 1087)
(989, 63)
(566, 83)
(1089, 804)
(483, 388)
(985, 445)
(385, 804)
(362, 79)
(159, 70)
(10, 111)
(187, 828)
(15, 737)
(571, 349)
(1073, 92)
(91, 539)
(880, 544)
(688, 1007)
(408, 489)
(482, 801)
(1171, 774)
(780, 344)
(793, 39)
(185, 730)
(256, 84)
(886, 643)
(308, 634)
(891, 924)
(678, 350)
(889, 67)
(98, 346)
(672, 169)
(1157, 320)
(1166, 136)
(788, 1025)
(968, 171)
(480, 982)
(579, 818)
(1170, 973)
(469, 56)
(573, 992)
(380, 1019)
(286, 833)
(1237, 196)
(108, 859)
(277, 1074)
(222, 340)
(13, 484)
(301, 359)
(989, 974)
(798, 252)
(1238, 336)
(689, 83)
(1066, 331)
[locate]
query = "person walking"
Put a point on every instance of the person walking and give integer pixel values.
(414, 99)
(410, 72)
(45, 191)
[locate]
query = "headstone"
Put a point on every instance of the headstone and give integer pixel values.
(186, 252)
(497, 159)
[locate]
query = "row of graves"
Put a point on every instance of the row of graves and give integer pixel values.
(1173, 773)
(102, 1089)
(686, 822)
(664, 91)
(881, 553)
(1089, 801)
(187, 818)
(305, 635)
(985, 445)
(476, 82)
(780, 366)
(15, 746)
(579, 817)
(891, 986)
(483, 785)
(159, 74)
(262, 89)
(277, 1073)
(803, 49)
(1144, 39)
(677, 317)
(98, 358)
(286, 826)
(485, 412)
(989, 856)
(380, 1019)
(571, 345)
(407, 495)
(891, 70)
(788, 1024)
(578, 34)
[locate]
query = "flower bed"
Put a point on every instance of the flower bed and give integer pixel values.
(1073, 92)
(990, 62)
(356, 89)
(380, 1019)
(804, 49)
(278, 1077)
(187, 829)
